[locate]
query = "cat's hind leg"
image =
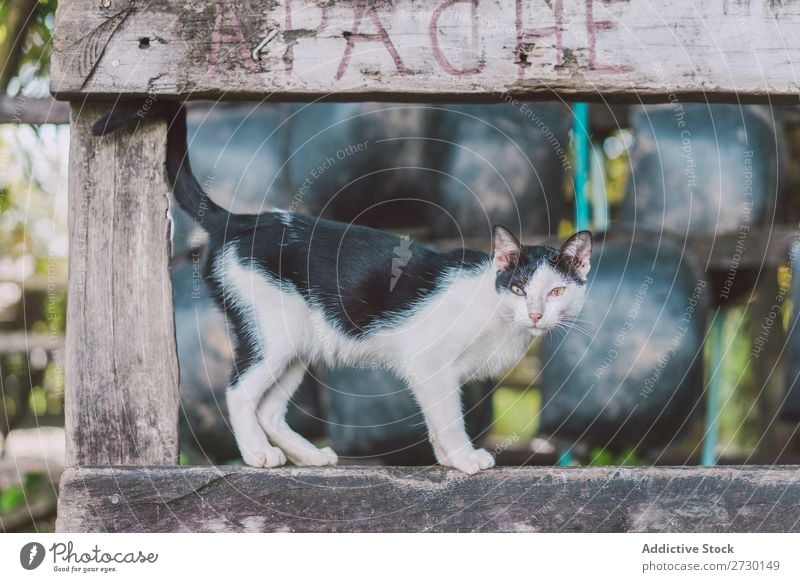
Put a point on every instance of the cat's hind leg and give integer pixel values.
(243, 398)
(272, 416)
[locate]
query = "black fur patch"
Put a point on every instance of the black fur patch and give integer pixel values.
(530, 260)
(566, 265)
(346, 270)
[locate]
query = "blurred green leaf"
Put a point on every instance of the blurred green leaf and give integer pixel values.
(11, 498)
(516, 412)
(601, 457)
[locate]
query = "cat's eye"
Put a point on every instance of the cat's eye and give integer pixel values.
(558, 291)
(517, 291)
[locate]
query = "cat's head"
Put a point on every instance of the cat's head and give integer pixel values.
(540, 287)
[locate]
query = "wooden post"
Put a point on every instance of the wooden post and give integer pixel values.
(121, 359)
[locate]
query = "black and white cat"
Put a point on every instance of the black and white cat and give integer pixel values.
(299, 290)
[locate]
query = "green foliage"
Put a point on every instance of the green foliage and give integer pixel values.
(34, 63)
(13, 497)
(617, 170)
(602, 457)
(516, 412)
(33, 212)
(738, 418)
(38, 401)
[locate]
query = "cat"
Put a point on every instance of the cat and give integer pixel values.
(299, 290)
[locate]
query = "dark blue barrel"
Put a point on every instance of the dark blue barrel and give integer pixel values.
(700, 168)
(434, 172)
(632, 375)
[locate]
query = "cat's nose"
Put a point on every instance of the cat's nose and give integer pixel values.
(535, 316)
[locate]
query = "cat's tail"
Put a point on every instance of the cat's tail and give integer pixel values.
(188, 192)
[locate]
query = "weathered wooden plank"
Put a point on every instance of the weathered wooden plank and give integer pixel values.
(236, 499)
(121, 363)
(21, 109)
(23, 341)
(428, 49)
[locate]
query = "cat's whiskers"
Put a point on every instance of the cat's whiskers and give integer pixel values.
(567, 325)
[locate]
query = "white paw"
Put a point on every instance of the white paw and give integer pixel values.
(470, 462)
(317, 458)
(268, 457)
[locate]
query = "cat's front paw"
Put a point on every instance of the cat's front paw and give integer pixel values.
(317, 458)
(471, 462)
(269, 457)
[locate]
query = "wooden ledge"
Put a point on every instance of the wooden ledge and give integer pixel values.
(405, 499)
(423, 50)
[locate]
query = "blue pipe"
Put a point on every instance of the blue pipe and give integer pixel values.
(582, 145)
(582, 148)
(708, 456)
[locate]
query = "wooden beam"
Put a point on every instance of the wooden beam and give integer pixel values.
(23, 342)
(121, 361)
(21, 109)
(403, 499)
(428, 49)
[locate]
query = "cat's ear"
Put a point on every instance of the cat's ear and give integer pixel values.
(578, 252)
(507, 249)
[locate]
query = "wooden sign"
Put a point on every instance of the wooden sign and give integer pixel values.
(428, 49)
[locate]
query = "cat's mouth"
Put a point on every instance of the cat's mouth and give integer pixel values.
(537, 329)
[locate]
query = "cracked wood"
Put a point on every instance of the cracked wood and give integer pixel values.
(404, 499)
(428, 49)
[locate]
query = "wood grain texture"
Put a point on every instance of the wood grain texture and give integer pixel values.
(402, 499)
(429, 49)
(121, 364)
(21, 109)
